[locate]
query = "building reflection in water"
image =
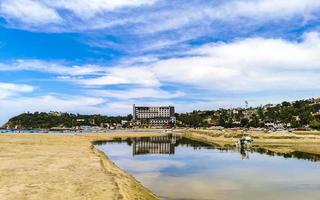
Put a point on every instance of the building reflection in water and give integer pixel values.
(155, 145)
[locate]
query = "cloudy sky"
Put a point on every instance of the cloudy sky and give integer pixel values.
(101, 56)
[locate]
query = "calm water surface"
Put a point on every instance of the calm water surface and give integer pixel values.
(184, 169)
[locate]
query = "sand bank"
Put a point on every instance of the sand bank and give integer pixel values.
(58, 166)
(278, 142)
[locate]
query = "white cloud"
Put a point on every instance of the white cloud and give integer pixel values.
(269, 8)
(51, 67)
(229, 11)
(262, 52)
(123, 75)
(71, 14)
(105, 75)
(29, 12)
(9, 89)
(137, 93)
(245, 65)
(81, 15)
(88, 9)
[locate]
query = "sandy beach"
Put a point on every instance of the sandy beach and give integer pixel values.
(67, 166)
(56, 166)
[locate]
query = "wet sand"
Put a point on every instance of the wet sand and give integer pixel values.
(278, 142)
(60, 166)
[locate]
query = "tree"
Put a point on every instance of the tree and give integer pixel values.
(244, 122)
(286, 104)
(129, 117)
(315, 124)
(221, 122)
(45, 120)
(229, 123)
(204, 124)
(260, 113)
(294, 123)
(254, 122)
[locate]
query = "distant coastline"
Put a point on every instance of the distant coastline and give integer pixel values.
(300, 114)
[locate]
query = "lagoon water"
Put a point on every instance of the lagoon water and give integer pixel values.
(184, 169)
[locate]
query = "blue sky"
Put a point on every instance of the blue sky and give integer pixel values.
(101, 56)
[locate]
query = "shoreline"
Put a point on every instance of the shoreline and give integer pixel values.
(136, 186)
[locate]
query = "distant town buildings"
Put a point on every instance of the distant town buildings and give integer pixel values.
(268, 106)
(54, 113)
(153, 116)
(316, 101)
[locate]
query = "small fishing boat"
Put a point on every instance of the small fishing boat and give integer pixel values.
(245, 141)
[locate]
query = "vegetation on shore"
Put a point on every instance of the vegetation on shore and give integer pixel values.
(302, 113)
(42, 120)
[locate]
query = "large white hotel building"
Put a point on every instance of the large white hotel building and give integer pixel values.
(154, 116)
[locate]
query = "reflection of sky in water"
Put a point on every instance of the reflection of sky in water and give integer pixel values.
(213, 174)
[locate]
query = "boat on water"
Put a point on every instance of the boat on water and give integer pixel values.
(246, 141)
